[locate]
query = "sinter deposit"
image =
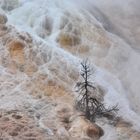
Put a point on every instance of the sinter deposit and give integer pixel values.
(42, 43)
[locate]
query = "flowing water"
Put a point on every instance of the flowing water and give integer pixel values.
(105, 32)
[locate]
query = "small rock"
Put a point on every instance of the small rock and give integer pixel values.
(13, 133)
(16, 116)
(80, 127)
(94, 131)
(3, 18)
(38, 116)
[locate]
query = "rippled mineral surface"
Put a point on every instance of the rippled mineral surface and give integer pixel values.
(42, 43)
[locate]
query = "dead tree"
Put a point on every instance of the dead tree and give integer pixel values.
(87, 102)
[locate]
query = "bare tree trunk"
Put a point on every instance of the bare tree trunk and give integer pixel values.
(86, 93)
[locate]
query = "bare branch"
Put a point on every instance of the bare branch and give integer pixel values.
(88, 104)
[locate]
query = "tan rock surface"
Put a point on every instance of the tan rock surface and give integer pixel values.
(16, 48)
(3, 18)
(37, 80)
(17, 125)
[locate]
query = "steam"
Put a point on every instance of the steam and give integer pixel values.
(119, 17)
